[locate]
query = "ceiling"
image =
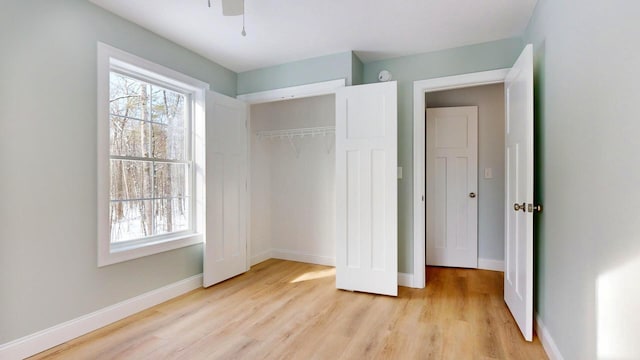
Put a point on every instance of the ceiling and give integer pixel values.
(281, 31)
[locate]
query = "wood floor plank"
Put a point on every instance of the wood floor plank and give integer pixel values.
(289, 310)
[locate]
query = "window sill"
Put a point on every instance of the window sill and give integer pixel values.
(110, 256)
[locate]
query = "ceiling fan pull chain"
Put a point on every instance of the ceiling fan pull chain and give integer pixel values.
(209, 2)
(244, 11)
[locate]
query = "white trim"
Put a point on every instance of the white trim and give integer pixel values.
(109, 57)
(58, 334)
(405, 279)
(419, 89)
(548, 344)
(293, 92)
(490, 264)
(303, 257)
(125, 59)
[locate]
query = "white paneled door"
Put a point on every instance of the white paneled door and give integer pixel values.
(225, 251)
(452, 183)
(366, 188)
(518, 273)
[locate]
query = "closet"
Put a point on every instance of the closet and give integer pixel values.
(292, 180)
(306, 173)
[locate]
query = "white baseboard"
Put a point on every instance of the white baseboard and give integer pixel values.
(58, 334)
(258, 258)
(490, 264)
(303, 257)
(405, 279)
(548, 344)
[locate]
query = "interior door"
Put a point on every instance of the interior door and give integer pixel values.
(518, 275)
(225, 250)
(366, 189)
(452, 183)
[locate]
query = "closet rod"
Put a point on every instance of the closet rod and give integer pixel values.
(299, 132)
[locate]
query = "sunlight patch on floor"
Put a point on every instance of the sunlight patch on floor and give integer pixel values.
(313, 275)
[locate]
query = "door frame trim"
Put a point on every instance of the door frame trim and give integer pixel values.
(293, 92)
(420, 88)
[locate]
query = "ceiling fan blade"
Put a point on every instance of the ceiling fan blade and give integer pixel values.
(232, 7)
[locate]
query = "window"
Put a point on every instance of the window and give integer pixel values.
(150, 160)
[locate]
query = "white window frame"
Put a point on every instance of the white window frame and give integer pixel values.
(110, 58)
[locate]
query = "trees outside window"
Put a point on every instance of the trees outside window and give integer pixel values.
(149, 154)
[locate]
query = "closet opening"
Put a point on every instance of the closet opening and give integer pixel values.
(291, 182)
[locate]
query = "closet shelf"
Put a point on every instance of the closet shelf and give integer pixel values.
(292, 135)
(299, 132)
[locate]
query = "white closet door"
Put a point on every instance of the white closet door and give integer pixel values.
(366, 189)
(225, 251)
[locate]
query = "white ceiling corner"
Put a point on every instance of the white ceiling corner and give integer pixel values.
(281, 31)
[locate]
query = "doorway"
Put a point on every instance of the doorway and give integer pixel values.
(518, 253)
(421, 91)
(476, 222)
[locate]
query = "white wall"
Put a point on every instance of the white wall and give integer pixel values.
(293, 197)
(490, 102)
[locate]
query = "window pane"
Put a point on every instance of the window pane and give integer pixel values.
(129, 137)
(167, 107)
(171, 180)
(128, 97)
(168, 142)
(171, 215)
(148, 197)
(130, 179)
(130, 220)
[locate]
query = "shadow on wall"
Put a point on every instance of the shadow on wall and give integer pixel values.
(538, 158)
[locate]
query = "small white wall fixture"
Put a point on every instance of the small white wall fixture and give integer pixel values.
(420, 88)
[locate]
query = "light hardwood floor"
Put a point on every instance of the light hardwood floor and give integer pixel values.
(289, 310)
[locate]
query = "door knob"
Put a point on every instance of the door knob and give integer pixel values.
(472, 195)
(518, 207)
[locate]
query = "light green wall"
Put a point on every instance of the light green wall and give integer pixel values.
(586, 156)
(406, 70)
(588, 172)
(48, 271)
(323, 68)
(357, 70)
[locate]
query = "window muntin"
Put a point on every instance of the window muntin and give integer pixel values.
(151, 167)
